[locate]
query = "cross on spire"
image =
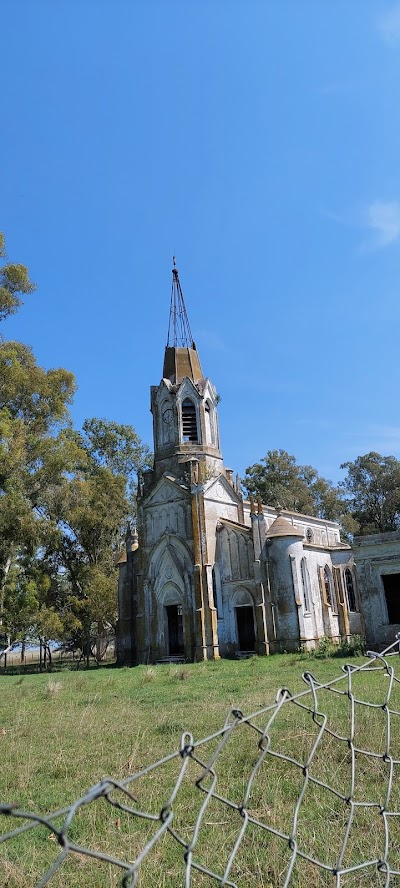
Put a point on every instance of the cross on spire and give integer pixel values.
(179, 332)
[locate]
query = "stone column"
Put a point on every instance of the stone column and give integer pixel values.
(206, 615)
(262, 641)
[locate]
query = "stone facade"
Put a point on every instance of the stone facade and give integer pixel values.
(208, 574)
(378, 569)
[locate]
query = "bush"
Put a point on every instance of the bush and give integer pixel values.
(353, 647)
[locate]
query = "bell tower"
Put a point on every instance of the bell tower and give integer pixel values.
(184, 405)
(177, 583)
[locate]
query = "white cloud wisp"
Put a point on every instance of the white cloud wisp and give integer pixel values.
(383, 218)
(389, 26)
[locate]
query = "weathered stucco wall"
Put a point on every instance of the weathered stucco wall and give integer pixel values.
(377, 556)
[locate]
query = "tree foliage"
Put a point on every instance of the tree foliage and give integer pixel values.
(33, 411)
(65, 495)
(280, 481)
(14, 282)
(31, 394)
(372, 486)
(117, 447)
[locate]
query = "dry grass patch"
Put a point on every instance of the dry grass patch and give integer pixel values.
(64, 735)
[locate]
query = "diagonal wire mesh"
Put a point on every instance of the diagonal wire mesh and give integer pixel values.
(304, 791)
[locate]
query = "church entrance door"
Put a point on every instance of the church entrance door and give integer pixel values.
(175, 630)
(245, 627)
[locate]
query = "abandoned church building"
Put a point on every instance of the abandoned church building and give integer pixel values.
(206, 573)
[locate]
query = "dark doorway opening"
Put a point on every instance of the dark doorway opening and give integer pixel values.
(391, 585)
(245, 626)
(175, 630)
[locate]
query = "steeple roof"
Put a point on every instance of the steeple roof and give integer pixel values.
(181, 358)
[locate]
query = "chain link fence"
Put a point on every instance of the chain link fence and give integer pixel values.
(304, 791)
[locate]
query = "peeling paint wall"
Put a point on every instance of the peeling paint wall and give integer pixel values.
(377, 556)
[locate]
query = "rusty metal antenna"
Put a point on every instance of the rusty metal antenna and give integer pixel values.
(179, 332)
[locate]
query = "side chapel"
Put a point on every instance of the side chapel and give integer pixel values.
(206, 573)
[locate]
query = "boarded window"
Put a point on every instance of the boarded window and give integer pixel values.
(189, 421)
(391, 585)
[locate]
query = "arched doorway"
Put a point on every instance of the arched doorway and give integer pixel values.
(245, 625)
(174, 620)
(174, 633)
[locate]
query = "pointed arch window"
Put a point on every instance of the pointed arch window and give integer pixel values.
(189, 422)
(305, 581)
(350, 590)
(329, 590)
(209, 419)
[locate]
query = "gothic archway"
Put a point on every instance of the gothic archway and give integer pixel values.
(245, 624)
(173, 616)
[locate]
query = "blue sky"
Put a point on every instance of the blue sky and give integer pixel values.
(259, 141)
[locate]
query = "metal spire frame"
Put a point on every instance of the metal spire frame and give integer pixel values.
(179, 332)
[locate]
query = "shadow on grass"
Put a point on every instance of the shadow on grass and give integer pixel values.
(58, 666)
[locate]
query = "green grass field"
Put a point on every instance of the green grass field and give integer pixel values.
(63, 732)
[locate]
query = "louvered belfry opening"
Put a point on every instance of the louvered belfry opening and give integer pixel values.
(189, 422)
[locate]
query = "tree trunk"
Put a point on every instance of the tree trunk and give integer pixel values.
(5, 573)
(100, 630)
(7, 649)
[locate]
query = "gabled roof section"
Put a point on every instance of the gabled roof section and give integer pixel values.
(187, 388)
(181, 358)
(167, 489)
(235, 525)
(218, 488)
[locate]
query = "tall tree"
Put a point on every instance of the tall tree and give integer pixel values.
(117, 447)
(280, 481)
(14, 282)
(89, 510)
(33, 412)
(64, 495)
(372, 486)
(32, 607)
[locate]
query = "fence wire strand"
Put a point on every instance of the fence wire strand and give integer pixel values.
(257, 728)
